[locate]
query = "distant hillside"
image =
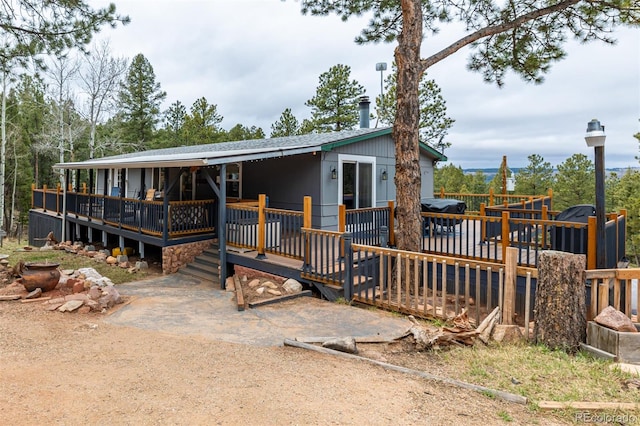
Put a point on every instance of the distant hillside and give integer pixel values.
(492, 171)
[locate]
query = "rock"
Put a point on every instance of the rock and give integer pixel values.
(4, 298)
(274, 292)
(229, 284)
(111, 260)
(254, 283)
(78, 287)
(110, 297)
(93, 277)
(71, 306)
(269, 284)
(34, 294)
(67, 272)
(260, 290)
(122, 258)
(342, 344)
(142, 265)
(132, 270)
(93, 305)
(124, 265)
(507, 333)
(46, 247)
(612, 318)
(90, 247)
(105, 252)
(78, 296)
(292, 286)
(84, 309)
(94, 293)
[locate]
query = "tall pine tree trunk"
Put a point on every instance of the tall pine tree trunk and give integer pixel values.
(3, 149)
(406, 127)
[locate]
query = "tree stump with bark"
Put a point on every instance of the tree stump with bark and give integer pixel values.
(560, 306)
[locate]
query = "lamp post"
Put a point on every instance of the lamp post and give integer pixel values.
(595, 137)
(381, 66)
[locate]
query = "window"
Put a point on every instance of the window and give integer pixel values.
(356, 183)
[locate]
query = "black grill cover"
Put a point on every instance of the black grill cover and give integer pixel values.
(443, 205)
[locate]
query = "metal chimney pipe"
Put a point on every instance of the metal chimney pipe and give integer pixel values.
(364, 112)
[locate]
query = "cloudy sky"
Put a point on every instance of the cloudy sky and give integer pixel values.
(254, 58)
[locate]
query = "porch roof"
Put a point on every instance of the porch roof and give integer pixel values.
(228, 152)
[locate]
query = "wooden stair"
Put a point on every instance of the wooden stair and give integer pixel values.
(205, 267)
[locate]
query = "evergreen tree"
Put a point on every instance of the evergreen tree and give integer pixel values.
(536, 178)
(172, 133)
(434, 123)
(449, 177)
(574, 183)
(287, 125)
(335, 105)
(31, 27)
(139, 100)
(202, 126)
(242, 133)
(523, 36)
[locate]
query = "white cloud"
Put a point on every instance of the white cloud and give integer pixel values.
(254, 58)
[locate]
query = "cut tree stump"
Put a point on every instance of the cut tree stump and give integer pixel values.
(560, 306)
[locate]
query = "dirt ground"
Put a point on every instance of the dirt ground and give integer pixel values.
(76, 369)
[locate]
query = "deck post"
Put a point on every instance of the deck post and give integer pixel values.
(222, 225)
(491, 197)
(510, 276)
(392, 235)
(483, 229)
(307, 212)
(591, 242)
(342, 218)
(44, 197)
(505, 233)
(348, 267)
(262, 223)
(33, 194)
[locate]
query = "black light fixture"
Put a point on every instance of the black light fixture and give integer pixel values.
(334, 173)
(384, 175)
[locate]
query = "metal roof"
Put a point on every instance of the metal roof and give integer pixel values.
(228, 152)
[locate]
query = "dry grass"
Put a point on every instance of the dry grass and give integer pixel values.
(66, 260)
(533, 371)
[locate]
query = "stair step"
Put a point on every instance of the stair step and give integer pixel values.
(207, 261)
(202, 275)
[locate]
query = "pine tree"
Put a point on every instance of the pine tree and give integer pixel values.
(434, 122)
(335, 105)
(287, 125)
(139, 100)
(202, 126)
(522, 36)
(536, 178)
(574, 183)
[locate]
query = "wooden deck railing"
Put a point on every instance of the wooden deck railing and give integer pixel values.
(268, 230)
(474, 201)
(615, 287)
(148, 217)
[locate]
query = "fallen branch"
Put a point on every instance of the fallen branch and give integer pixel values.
(493, 392)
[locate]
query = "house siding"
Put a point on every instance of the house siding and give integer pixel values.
(286, 181)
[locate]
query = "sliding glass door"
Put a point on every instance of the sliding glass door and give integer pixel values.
(357, 189)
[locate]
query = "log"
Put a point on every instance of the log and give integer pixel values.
(486, 326)
(584, 405)
(560, 306)
(488, 391)
(239, 296)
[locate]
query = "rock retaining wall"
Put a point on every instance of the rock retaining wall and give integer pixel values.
(175, 257)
